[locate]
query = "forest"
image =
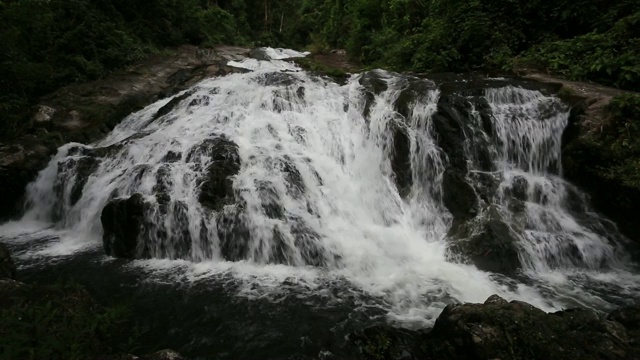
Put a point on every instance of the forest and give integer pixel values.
(47, 44)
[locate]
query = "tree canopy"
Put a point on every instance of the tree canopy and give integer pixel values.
(49, 43)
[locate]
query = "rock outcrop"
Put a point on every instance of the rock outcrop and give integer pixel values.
(505, 330)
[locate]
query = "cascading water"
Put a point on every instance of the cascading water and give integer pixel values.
(277, 175)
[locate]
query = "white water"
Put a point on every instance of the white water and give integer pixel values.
(348, 207)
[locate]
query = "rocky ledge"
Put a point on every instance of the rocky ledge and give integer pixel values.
(86, 112)
(505, 330)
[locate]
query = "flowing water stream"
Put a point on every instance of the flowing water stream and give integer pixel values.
(339, 213)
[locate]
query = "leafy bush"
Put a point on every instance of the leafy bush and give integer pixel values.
(611, 57)
(622, 136)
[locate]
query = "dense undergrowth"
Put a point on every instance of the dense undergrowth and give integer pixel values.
(618, 142)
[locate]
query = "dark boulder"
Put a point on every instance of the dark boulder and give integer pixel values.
(415, 90)
(401, 157)
(123, 222)
(135, 228)
(172, 104)
(459, 196)
(505, 330)
(449, 128)
(7, 267)
(259, 54)
(216, 187)
(374, 82)
(486, 241)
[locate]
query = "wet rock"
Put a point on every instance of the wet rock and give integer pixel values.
(459, 196)
(77, 170)
(168, 107)
(519, 188)
(7, 267)
(275, 79)
(505, 330)
(449, 125)
(172, 157)
(259, 54)
(415, 90)
(485, 184)
(216, 188)
(374, 82)
(401, 158)
(123, 222)
(486, 241)
(269, 199)
(233, 233)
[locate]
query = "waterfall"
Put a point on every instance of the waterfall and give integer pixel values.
(280, 171)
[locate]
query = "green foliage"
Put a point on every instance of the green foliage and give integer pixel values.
(611, 57)
(48, 44)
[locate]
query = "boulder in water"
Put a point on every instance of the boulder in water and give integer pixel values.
(123, 223)
(488, 242)
(216, 189)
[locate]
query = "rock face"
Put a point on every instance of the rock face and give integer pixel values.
(7, 267)
(505, 330)
(86, 112)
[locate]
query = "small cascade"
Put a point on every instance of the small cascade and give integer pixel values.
(549, 217)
